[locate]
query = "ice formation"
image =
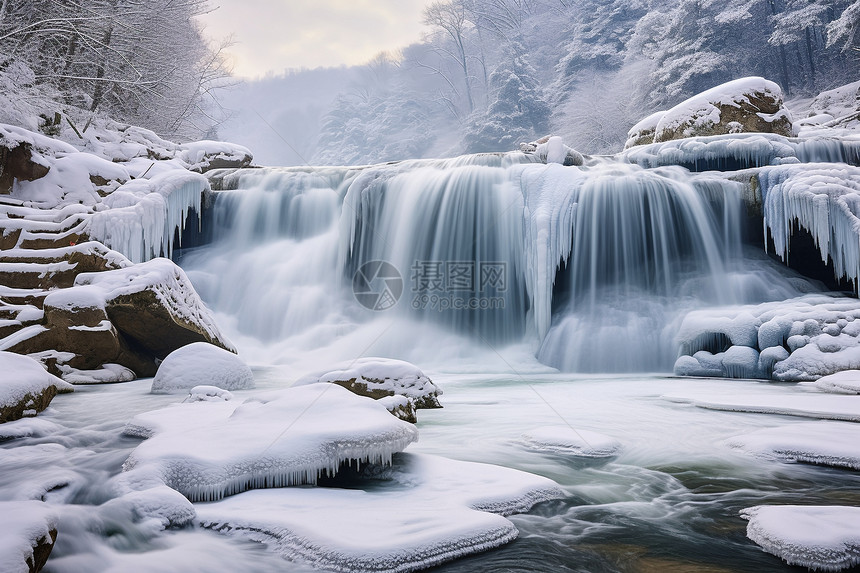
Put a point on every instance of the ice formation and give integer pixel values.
(23, 526)
(824, 200)
(200, 364)
(432, 510)
(797, 339)
(824, 443)
(141, 218)
(208, 394)
(162, 506)
(378, 377)
(570, 441)
(208, 450)
(821, 538)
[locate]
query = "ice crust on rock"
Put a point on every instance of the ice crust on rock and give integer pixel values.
(208, 450)
(822, 538)
(378, 377)
(570, 441)
(824, 443)
(23, 526)
(161, 505)
(434, 510)
(201, 364)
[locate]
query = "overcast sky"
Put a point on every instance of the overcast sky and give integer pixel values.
(274, 35)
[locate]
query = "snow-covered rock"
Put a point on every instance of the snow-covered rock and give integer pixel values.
(824, 443)
(845, 382)
(25, 387)
(207, 393)
(841, 105)
(28, 530)
(553, 150)
(570, 441)
(201, 364)
(643, 132)
(202, 156)
(155, 305)
(162, 506)
(744, 105)
(208, 450)
(380, 377)
(435, 510)
(822, 538)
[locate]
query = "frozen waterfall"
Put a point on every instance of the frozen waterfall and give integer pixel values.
(588, 269)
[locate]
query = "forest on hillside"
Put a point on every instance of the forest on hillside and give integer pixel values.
(493, 73)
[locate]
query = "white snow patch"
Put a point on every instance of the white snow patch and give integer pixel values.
(208, 394)
(845, 382)
(825, 443)
(829, 407)
(818, 537)
(21, 376)
(108, 373)
(200, 364)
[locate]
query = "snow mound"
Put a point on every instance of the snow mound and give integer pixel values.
(107, 374)
(208, 450)
(380, 377)
(845, 382)
(201, 364)
(208, 394)
(571, 441)
(25, 387)
(823, 538)
(643, 132)
(25, 525)
(824, 443)
(842, 104)
(432, 510)
(162, 506)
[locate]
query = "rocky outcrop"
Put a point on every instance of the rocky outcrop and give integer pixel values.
(741, 106)
(643, 132)
(17, 163)
(203, 156)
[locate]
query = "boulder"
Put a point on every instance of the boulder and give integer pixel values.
(381, 377)
(201, 364)
(203, 156)
(25, 387)
(17, 163)
(155, 308)
(643, 132)
(741, 106)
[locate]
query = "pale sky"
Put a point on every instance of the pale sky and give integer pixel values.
(275, 35)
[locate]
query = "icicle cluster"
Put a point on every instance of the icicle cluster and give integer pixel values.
(141, 218)
(822, 199)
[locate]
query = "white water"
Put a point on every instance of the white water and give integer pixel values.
(598, 265)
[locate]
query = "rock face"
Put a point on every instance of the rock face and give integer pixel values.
(25, 387)
(741, 106)
(203, 156)
(17, 163)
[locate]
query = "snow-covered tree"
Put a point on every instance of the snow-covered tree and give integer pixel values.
(517, 112)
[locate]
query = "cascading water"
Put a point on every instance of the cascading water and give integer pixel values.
(587, 268)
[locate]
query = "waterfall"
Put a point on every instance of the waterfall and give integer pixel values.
(588, 268)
